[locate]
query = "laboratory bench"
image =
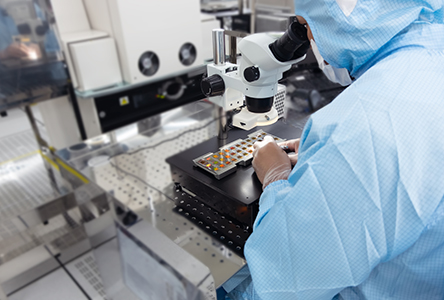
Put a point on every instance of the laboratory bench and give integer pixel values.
(117, 208)
(137, 173)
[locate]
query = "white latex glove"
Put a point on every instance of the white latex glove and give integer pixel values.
(270, 162)
(291, 146)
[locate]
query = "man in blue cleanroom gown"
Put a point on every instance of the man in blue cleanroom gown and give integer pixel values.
(361, 214)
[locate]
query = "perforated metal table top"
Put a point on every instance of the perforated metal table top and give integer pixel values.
(139, 177)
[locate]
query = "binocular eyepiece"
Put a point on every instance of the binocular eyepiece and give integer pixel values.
(293, 44)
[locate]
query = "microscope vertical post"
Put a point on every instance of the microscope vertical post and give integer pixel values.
(219, 47)
(219, 59)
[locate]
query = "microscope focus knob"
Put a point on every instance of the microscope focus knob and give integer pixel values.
(213, 86)
(252, 74)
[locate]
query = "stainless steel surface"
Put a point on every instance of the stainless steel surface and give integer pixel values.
(39, 218)
(14, 241)
(48, 210)
(25, 269)
(171, 261)
(26, 202)
(108, 258)
(58, 232)
(55, 286)
(219, 47)
(29, 199)
(222, 262)
(140, 179)
(133, 172)
(30, 242)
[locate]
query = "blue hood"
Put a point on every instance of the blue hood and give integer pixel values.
(353, 41)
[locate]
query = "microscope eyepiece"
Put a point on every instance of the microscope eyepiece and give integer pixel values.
(293, 44)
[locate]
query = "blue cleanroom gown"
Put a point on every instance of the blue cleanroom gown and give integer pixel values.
(362, 214)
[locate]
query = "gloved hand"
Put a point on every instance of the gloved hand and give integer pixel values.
(270, 162)
(291, 146)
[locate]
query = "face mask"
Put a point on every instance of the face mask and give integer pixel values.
(340, 76)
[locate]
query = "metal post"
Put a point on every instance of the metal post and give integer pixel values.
(41, 142)
(241, 7)
(219, 60)
(219, 47)
(233, 49)
(223, 124)
(43, 147)
(233, 43)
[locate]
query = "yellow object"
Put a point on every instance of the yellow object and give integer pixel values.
(19, 157)
(124, 101)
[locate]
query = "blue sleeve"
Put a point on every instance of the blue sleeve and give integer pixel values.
(7, 29)
(51, 44)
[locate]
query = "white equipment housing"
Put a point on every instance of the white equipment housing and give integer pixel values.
(151, 40)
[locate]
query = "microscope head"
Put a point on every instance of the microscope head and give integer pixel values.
(264, 58)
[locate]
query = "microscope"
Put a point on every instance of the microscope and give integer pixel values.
(226, 204)
(264, 57)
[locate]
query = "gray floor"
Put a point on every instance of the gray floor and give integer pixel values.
(56, 285)
(14, 123)
(17, 122)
